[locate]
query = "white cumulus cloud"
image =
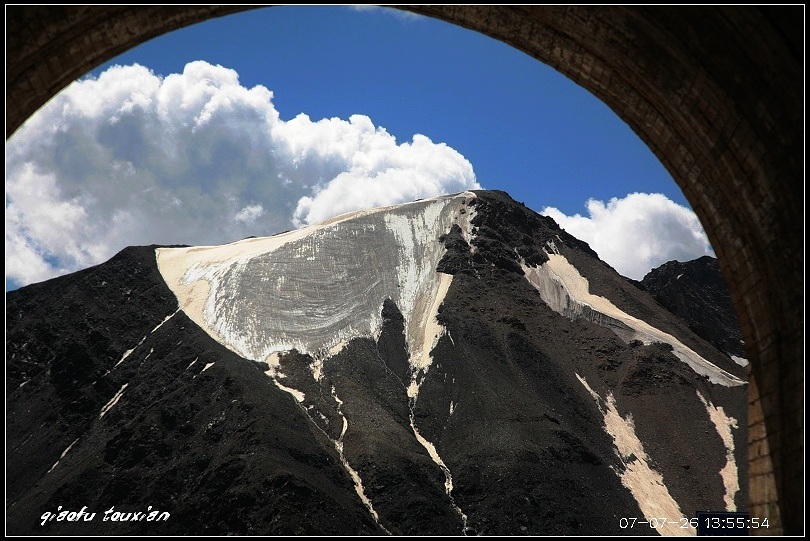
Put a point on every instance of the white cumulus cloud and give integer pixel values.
(638, 232)
(193, 158)
(249, 214)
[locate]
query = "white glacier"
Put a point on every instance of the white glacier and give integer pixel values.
(317, 288)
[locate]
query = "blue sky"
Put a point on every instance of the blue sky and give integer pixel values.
(525, 127)
(492, 116)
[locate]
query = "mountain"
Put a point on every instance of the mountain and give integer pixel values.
(696, 292)
(453, 365)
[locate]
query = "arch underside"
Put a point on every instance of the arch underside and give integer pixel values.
(715, 92)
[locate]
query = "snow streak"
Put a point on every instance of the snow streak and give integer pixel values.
(724, 425)
(275, 374)
(128, 352)
(645, 484)
(68, 448)
(566, 291)
(421, 359)
(113, 401)
(358, 481)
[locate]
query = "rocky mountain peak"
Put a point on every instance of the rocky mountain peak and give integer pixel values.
(696, 292)
(452, 365)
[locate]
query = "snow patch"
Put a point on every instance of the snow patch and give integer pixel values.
(739, 360)
(317, 369)
(165, 319)
(128, 352)
(566, 291)
(724, 425)
(645, 484)
(432, 330)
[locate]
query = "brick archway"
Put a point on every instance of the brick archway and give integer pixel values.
(715, 92)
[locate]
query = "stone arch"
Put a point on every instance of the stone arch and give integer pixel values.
(715, 92)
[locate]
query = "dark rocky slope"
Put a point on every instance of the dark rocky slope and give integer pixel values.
(205, 435)
(219, 449)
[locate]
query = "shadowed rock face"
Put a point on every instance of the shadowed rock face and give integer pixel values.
(696, 292)
(395, 370)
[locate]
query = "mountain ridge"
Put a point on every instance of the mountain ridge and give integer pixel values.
(702, 299)
(506, 430)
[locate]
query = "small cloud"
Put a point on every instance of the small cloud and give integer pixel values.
(638, 232)
(249, 214)
(399, 13)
